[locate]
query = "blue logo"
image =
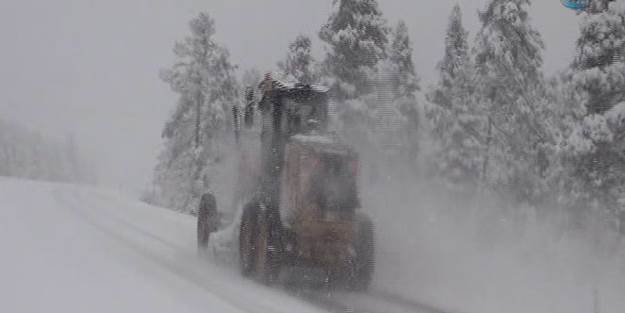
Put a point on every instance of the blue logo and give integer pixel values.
(579, 5)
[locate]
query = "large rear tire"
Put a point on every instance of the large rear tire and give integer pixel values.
(363, 264)
(268, 247)
(247, 240)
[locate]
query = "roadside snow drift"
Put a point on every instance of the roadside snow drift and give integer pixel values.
(77, 249)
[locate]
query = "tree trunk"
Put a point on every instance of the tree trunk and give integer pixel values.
(486, 155)
(198, 112)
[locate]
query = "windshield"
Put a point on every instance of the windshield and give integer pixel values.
(334, 184)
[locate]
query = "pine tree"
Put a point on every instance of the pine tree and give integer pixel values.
(204, 80)
(600, 57)
(356, 34)
(508, 60)
(300, 65)
(598, 6)
(455, 60)
(398, 72)
(595, 176)
(458, 121)
(406, 81)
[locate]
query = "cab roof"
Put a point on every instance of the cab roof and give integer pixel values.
(272, 84)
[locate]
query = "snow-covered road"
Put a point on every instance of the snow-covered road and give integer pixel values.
(78, 249)
(69, 248)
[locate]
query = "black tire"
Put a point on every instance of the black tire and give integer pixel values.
(363, 264)
(206, 211)
(247, 240)
(269, 250)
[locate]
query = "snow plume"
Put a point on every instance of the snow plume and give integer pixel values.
(533, 229)
(373, 82)
(467, 253)
(28, 154)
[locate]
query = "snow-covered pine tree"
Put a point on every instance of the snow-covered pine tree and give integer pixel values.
(356, 38)
(204, 80)
(400, 55)
(299, 64)
(458, 122)
(600, 58)
(510, 84)
(598, 6)
(356, 35)
(596, 146)
(455, 60)
(404, 83)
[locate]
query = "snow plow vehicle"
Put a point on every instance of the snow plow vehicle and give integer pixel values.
(303, 210)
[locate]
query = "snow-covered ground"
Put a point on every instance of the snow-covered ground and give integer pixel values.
(77, 249)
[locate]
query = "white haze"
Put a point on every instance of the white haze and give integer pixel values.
(90, 68)
(468, 255)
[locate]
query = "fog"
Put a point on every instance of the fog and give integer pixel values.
(90, 68)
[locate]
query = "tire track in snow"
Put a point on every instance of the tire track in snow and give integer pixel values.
(401, 300)
(370, 302)
(191, 270)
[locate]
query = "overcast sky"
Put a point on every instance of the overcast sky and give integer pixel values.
(90, 68)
